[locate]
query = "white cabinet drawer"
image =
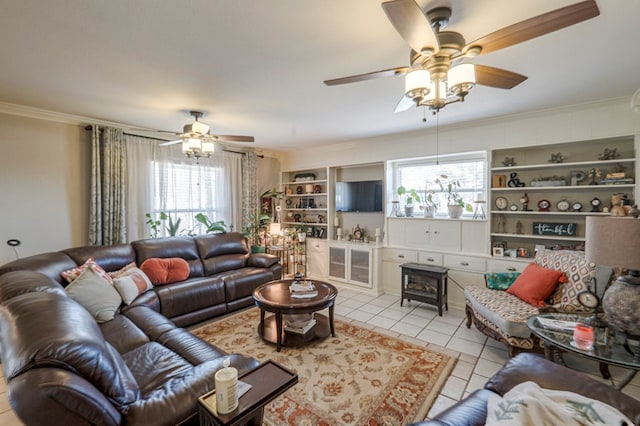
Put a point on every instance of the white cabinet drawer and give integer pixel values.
(400, 255)
(495, 265)
(465, 263)
(430, 258)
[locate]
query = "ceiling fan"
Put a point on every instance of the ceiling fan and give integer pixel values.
(436, 77)
(197, 141)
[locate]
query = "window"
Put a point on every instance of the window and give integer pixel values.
(183, 190)
(469, 169)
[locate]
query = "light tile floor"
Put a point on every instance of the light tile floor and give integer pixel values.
(478, 357)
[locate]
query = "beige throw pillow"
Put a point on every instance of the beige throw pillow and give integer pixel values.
(95, 294)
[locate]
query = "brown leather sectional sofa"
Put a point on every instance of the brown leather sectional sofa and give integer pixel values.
(472, 411)
(62, 367)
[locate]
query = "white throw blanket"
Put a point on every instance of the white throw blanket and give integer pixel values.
(529, 404)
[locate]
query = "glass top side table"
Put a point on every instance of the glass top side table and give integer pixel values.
(606, 349)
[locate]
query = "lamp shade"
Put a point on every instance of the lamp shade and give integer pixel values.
(613, 241)
(417, 80)
(462, 74)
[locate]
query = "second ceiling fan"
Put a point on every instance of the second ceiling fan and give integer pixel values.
(435, 76)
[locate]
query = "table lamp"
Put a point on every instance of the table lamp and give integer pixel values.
(615, 242)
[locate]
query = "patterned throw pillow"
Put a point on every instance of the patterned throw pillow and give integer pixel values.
(131, 284)
(74, 273)
(500, 280)
(578, 271)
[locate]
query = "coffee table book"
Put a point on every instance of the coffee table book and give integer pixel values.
(268, 381)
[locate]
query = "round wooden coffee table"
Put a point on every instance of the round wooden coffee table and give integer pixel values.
(275, 297)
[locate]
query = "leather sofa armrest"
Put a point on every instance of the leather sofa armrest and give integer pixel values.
(471, 411)
(548, 375)
(59, 397)
(262, 260)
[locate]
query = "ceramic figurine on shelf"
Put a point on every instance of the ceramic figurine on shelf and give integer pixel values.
(524, 200)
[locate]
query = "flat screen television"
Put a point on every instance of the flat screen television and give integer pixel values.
(360, 196)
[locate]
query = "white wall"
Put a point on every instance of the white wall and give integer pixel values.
(44, 185)
(591, 121)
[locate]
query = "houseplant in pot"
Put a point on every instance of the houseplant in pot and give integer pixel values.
(430, 204)
(256, 231)
(455, 202)
(411, 196)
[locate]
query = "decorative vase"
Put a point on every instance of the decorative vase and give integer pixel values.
(408, 210)
(455, 211)
(395, 210)
(429, 211)
(302, 236)
(620, 305)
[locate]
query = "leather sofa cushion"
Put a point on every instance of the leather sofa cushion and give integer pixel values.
(165, 271)
(110, 258)
(179, 395)
(262, 260)
(223, 252)
(183, 247)
(190, 347)
(15, 283)
(242, 283)
(123, 334)
(549, 375)
(49, 264)
(150, 322)
(62, 335)
(152, 365)
(191, 295)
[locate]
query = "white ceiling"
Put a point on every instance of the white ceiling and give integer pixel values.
(257, 67)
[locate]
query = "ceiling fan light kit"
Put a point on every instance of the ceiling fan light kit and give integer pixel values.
(436, 76)
(197, 142)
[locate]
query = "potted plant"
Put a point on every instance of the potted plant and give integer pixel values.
(302, 231)
(211, 227)
(411, 196)
(430, 203)
(256, 231)
(455, 202)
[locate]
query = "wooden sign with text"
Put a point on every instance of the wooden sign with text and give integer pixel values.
(554, 229)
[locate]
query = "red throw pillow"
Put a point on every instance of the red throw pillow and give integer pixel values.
(535, 284)
(165, 271)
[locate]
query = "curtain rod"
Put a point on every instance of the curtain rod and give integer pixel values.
(90, 127)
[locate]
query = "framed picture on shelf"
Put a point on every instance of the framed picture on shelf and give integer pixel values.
(498, 251)
(500, 244)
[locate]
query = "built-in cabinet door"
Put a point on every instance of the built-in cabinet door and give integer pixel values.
(359, 265)
(436, 234)
(338, 262)
(317, 258)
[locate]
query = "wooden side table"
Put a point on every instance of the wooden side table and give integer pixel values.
(425, 283)
(268, 381)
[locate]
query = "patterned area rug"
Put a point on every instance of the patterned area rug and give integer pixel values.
(359, 377)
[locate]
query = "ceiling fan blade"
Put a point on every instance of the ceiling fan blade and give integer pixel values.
(234, 138)
(170, 142)
(368, 76)
(404, 104)
(411, 23)
(537, 26)
(497, 77)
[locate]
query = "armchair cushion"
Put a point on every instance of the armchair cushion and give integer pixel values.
(535, 284)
